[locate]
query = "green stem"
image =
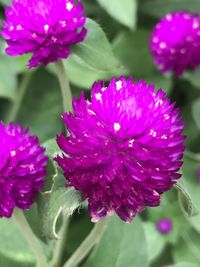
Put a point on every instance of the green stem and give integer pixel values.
(58, 250)
(90, 241)
(19, 98)
(32, 240)
(65, 86)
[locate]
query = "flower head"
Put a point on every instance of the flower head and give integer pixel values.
(124, 149)
(164, 226)
(22, 168)
(175, 42)
(46, 28)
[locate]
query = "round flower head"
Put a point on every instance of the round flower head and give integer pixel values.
(22, 168)
(164, 226)
(175, 42)
(46, 28)
(124, 149)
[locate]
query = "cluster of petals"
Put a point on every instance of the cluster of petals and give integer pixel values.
(46, 28)
(175, 42)
(124, 147)
(22, 168)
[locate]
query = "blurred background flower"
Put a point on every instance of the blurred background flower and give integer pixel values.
(175, 42)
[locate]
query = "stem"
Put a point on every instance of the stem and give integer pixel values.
(32, 240)
(90, 241)
(19, 98)
(57, 255)
(64, 85)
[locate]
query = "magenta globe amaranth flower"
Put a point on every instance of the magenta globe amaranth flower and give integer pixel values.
(46, 28)
(164, 226)
(124, 147)
(175, 42)
(22, 168)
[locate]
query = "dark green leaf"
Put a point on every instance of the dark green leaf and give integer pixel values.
(133, 52)
(159, 8)
(193, 77)
(196, 112)
(42, 106)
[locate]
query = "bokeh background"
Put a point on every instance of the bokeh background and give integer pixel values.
(117, 44)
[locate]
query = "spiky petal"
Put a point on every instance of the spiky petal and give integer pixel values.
(22, 168)
(124, 149)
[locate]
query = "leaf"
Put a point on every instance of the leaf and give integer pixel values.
(169, 208)
(191, 163)
(184, 264)
(194, 77)
(121, 245)
(159, 8)
(92, 60)
(42, 106)
(196, 112)
(155, 241)
(55, 199)
(14, 250)
(185, 199)
(96, 50)
(6, 2)
(52, 204)
(133, 52)
(187, 248)
(161, 81)
(124, 12)
(8, 79)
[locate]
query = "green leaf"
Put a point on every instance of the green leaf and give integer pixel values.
(87, 75)
(92, 60)
(133, 52)
(191, 163)
(184, 264)
(193, 77)
(14, 250)
(55, 198)
(42, 106)
(185, 199)
(6, 2)
(155, 241)
(169, 208)
(96, 50)
(8, 79)
(121, 245)
(187, 249)
(159, 8)
(196, 112)
(160, 81)
(52, 204)
(124, 12)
